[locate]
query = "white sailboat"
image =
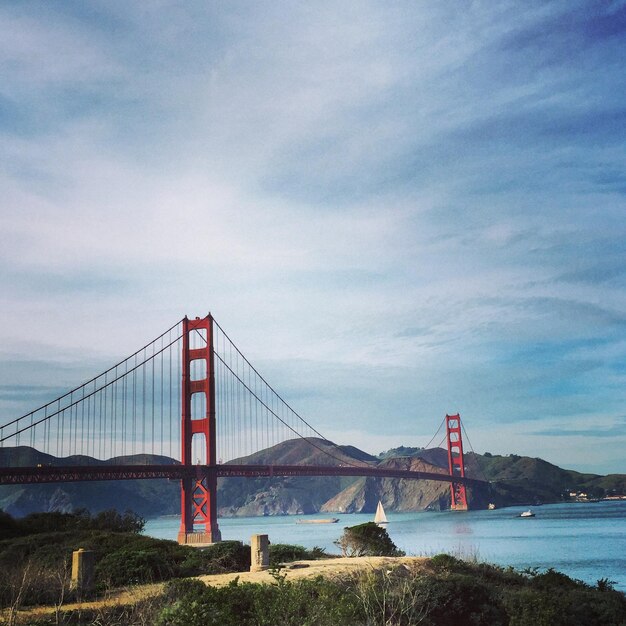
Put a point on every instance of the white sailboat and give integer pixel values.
(380, 517)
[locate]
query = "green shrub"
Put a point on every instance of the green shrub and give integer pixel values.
(551, 580)
(567, 607)
(81, 519)
(445, 562)
(179, 588)
(132, 566)
(300, 603)
(462, 599)
(225, 556)
(285, 553)
(367, 539)
(604, 584)
(318, 553)
(226, 606)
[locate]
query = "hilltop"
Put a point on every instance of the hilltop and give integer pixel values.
(243, 497)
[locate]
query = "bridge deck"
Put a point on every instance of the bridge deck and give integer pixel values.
(52, 474)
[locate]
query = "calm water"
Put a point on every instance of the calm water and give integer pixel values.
(585, 541)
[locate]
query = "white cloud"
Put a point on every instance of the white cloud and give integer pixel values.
(327, 180)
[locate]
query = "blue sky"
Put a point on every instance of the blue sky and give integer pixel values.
(397, 210)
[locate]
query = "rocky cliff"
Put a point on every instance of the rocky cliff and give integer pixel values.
(396, 495)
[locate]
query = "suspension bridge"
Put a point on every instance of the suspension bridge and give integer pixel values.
(187, 406)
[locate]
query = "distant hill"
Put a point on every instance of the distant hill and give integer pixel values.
(245, 497)
(145, 497)
(511, 480)
(522, 479)
(306, 451)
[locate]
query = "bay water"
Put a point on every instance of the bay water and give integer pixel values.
(586, 541)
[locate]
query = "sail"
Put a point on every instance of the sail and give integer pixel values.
(380, 517)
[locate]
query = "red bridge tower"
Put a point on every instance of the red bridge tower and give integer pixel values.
(198, 494)
(456, 462)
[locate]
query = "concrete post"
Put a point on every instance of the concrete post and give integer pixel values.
(259, 553)
(82, 571)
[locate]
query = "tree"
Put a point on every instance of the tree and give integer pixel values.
(367, 539)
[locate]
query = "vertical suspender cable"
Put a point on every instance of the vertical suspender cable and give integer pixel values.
(171, 416)
(143, 403)
(162, 395)
(82, 423)
(134, 440)
(178, 408)
(105, 417)
(153, 413)
(59, 427)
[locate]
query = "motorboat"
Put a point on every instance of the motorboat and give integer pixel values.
(528, 513)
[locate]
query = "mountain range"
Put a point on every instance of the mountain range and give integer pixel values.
(512, 479)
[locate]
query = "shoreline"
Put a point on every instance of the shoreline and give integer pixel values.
(407, 512)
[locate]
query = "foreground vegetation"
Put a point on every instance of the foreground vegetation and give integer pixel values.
(448, 592)
(443, 590)
(35, 556)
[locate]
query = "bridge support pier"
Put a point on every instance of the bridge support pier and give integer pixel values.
(198, 524)
(456, 462)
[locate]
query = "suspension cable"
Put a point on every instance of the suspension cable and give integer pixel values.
(436, 433)
(265, 381)
(474, 452)
(84, 397)
(90, 381)
(307, 439)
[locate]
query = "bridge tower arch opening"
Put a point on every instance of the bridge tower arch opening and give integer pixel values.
(456, 462)
(198, 523)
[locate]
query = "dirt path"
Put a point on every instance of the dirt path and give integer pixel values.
(325, 567)
(120, 597)
(331, 568)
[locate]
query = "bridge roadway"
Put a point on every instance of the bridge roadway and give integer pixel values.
(52, 474)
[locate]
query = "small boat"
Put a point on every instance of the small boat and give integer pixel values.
(528, 513)
(328, 520)
(380, 517)
(491, 506)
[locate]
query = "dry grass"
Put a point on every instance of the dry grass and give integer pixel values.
(329, 568)
(116, 598)
(339, 567)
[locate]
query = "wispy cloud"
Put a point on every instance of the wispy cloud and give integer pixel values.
(395, 209)
(617, 429)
